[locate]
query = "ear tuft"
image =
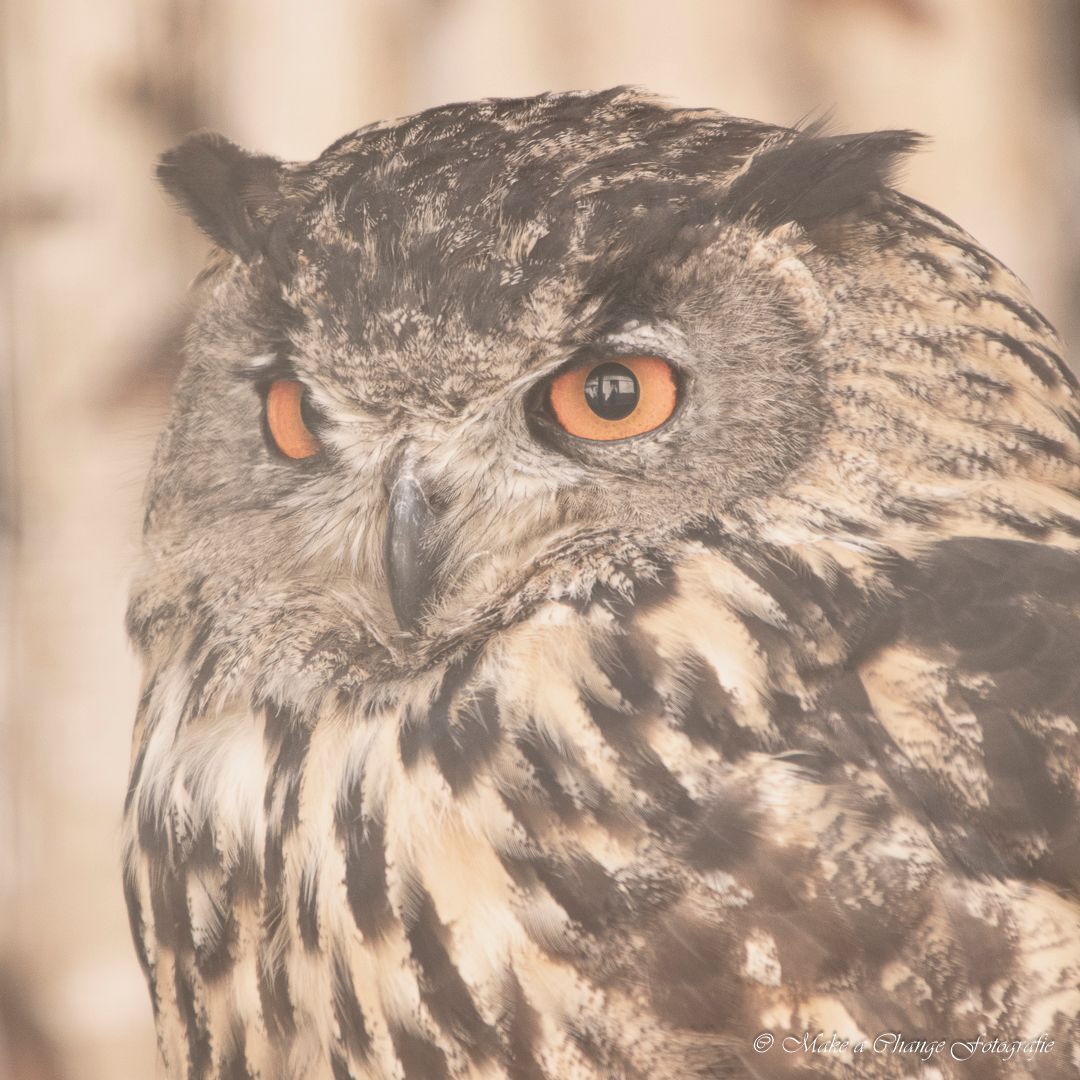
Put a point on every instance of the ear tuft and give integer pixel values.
(233, 196)
(813, 179)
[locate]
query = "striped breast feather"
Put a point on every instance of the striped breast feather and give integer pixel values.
(770, 791)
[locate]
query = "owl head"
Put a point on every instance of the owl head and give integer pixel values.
(510, 351)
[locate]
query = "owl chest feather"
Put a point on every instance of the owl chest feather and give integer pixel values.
(618, 840)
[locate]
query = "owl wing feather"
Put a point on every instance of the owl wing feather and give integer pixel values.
(850, 811)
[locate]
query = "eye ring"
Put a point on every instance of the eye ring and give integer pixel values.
(615, 398)
(284, 411)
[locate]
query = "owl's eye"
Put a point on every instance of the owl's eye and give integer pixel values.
(289, 418)
(615, 399)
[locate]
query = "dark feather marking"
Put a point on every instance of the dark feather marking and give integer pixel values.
(1046, 368)
(838, 597)
(1069, 525)
(1041, 443)
(521, 1028)
(363, 839)
(1024, 312)
(140, 757)
(915, 510)
(442, 988)
(138, 927)
(693, 977)
(599, 1048)
(541, 804)
(579, 884)
(418, 731)
(308, 910)
(136, 774)
(349, 1015)
(983, 950)
(215, 952)
(275, 999)
(539, 755)
(646, 592)
(628, 663)
(234, 1063)
(235, 1067)
(519, 866)
(274, 912)
(168, 903)
(532, 813)
(200, 852)
(1032, 530)
(932, 262)
(728, 830)
(1025, 796)
(153, 833)
(656, 587)
(198, 1036)
(274, 996)
(464, 740)
(706, 714)
(143, 626)
(413, 736)
(420, 1059)
(931, 222)
(195, 702)
(774, 644)
(274, 873)
(846, 697)
(977, 378)
(293, 737)
(277, 719)
(1071, 418)
(204, 631)
(824, 940)
(245, 876)
(649, 774)
(982, 596)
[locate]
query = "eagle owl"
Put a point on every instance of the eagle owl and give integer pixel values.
(610, 606)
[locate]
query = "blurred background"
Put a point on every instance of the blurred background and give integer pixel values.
(94, 267)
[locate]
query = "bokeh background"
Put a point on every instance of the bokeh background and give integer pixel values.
(94, 268)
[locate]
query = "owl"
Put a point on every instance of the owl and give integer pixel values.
(610, 608)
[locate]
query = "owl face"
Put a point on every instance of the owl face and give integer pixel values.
(470, 353)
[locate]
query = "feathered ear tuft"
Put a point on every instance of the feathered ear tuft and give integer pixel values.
(233, 196)
(813, 179)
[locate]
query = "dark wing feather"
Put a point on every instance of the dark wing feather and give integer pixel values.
(899, 851)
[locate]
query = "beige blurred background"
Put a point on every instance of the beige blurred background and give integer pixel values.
(94, 268)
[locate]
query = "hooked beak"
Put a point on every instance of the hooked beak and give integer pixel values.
(410, 563)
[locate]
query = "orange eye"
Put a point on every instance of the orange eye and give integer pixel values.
(615, 399)
(285, 408)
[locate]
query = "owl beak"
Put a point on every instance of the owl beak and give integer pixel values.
(410, 565)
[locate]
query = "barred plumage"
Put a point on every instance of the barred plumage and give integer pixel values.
(763, 721)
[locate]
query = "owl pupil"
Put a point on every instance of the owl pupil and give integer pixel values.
(612, 391)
